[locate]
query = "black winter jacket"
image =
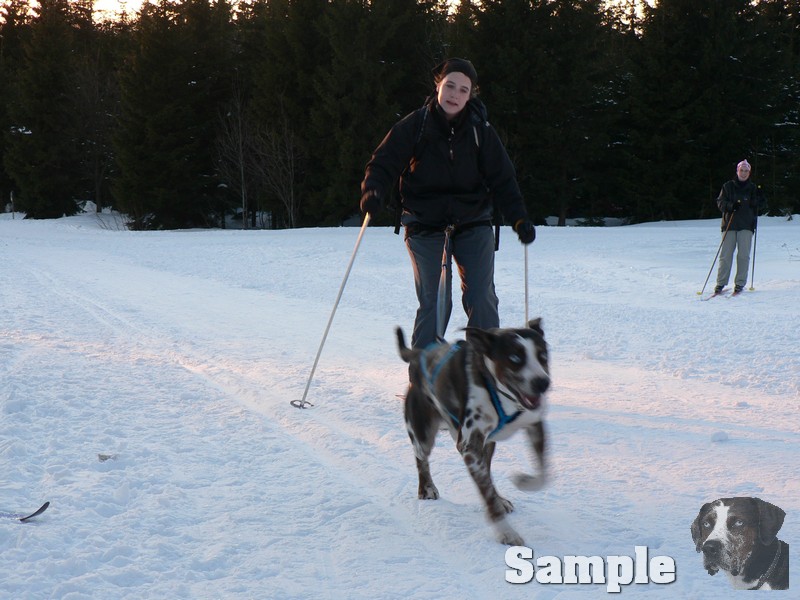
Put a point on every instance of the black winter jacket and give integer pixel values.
(449, 173)
(746, 199)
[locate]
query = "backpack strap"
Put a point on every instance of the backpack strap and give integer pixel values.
(398, 212)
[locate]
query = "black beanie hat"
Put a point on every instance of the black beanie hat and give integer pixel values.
(455, 65)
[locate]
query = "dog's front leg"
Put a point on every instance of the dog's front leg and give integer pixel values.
(489, 453)
(532, 483)
(478, 460)
(426, 490)
(422, 423)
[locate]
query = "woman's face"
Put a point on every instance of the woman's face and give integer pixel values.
(453, 92)
(743, 173)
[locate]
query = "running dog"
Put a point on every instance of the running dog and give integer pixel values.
(484, 389)
(739, 536)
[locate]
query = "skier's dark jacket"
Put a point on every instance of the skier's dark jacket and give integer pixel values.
(448, 173)
(750, 202)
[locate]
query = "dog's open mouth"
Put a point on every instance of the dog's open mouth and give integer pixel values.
(711, 566)
(531, 402)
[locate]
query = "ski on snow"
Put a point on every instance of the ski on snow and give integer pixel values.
(723, 293)
(23, 517)
(715, 294)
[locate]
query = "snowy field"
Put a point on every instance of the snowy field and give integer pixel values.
(145, 381)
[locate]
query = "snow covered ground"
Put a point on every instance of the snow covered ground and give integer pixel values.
(145, 381)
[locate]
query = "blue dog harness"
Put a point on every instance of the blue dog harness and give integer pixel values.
(502, 418)
(431, 375)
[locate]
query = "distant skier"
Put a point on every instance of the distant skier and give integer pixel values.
(740, 202)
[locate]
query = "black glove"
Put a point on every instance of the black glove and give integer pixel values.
(525, 230)
(370, 203)
(736, 205)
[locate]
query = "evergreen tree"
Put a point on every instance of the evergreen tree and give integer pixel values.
(604, 112)
(14, 27)
(777, 165)
(95, 107)
(149, 136)
(171, 94)
(39, 156)
(545, 71)
(697, 104)
(620, 171)
(460, 39)
(375, 52)
(334, 77)
(283, 83)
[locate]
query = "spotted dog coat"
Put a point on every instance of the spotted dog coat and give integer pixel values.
(484, 389)
(739, 536)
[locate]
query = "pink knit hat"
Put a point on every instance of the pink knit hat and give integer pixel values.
(743, 164)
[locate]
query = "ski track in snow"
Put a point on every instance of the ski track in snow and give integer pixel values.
(177, 353)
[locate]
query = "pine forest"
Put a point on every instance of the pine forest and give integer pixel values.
(263, 113)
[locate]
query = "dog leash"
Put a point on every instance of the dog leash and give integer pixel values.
(441, 296)
(763, 579)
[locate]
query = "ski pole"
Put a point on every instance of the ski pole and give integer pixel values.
(442, 293)
(302, 403)
(526, 285)
(753, 273)
(724, 235)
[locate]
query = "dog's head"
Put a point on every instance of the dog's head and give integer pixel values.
(517, 358)
(728, 530)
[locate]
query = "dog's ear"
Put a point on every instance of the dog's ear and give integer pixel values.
(696, 526)
(770, 521)
(536, 325)
(482, 339)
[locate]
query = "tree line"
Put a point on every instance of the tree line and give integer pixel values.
(189, 112)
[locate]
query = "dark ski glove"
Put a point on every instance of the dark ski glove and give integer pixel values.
(525, 230)
(736, 205)
(370, 203)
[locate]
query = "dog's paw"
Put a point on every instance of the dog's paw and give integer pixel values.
(528, 483)
(428, 492)
(506, 535)
(505, 505)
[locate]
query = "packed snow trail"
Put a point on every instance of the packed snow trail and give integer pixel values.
(176, 355)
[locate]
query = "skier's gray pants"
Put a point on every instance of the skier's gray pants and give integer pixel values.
(741, 241)
(473, 251)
